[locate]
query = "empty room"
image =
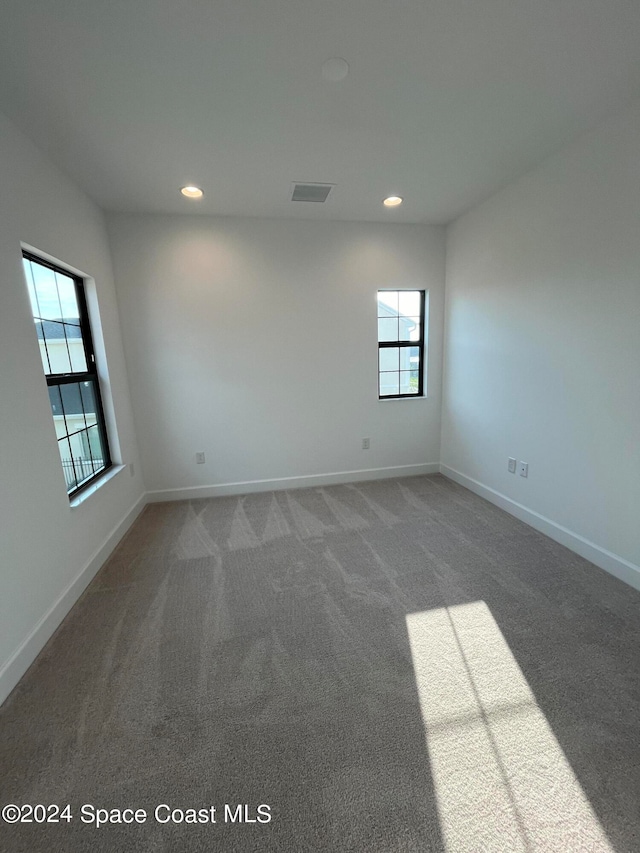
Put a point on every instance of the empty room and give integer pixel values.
(320, 426)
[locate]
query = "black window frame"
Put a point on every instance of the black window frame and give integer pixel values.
(404, 344)
(89, 375)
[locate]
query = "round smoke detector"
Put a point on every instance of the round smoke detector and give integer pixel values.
(335, 69)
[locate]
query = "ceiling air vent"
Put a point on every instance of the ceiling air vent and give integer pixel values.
(311, 192)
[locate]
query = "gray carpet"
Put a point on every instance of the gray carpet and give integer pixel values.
(389, 666)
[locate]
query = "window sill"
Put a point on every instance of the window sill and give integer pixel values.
(93, 488)
(401, 399)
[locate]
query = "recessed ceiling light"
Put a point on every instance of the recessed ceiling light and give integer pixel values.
(392, 201)
(192, 192)
(335, 69)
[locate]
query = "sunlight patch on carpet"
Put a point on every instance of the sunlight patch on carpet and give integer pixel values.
(501, 779)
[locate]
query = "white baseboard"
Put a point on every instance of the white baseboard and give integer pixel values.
(251, 486)
(13, 670)
(607, 560)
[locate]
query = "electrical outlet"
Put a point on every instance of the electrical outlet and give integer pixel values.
(512, 465)
(523, 469)
(200, 457)
(365, 443)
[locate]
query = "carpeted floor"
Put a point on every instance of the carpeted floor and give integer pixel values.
(388, 666)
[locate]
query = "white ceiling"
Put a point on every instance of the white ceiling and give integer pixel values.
(446, 100)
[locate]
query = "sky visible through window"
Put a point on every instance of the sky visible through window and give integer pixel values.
(403, 302)
(52, 294)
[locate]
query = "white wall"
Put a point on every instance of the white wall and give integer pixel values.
(48, 550)
(255, 341)
(542, 356)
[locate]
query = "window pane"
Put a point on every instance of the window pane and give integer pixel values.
(388, 384)
(71, 399)
(409, 358)
(85, 450)
(409, 303)
(43, 291)
(409, 382)
(81, 461)
(44, 354)
(389, 358)
(388, 329)
(67, 298)
(78, 427)
(57, 348)
(76, 348)
(67, 464)
(53, 299)
(387, 303)
(56, 403)
(92, 447)
(46, 292)
(409, 329)
(52, 294)
(32, 293)
(72, 406)
(89, 402)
